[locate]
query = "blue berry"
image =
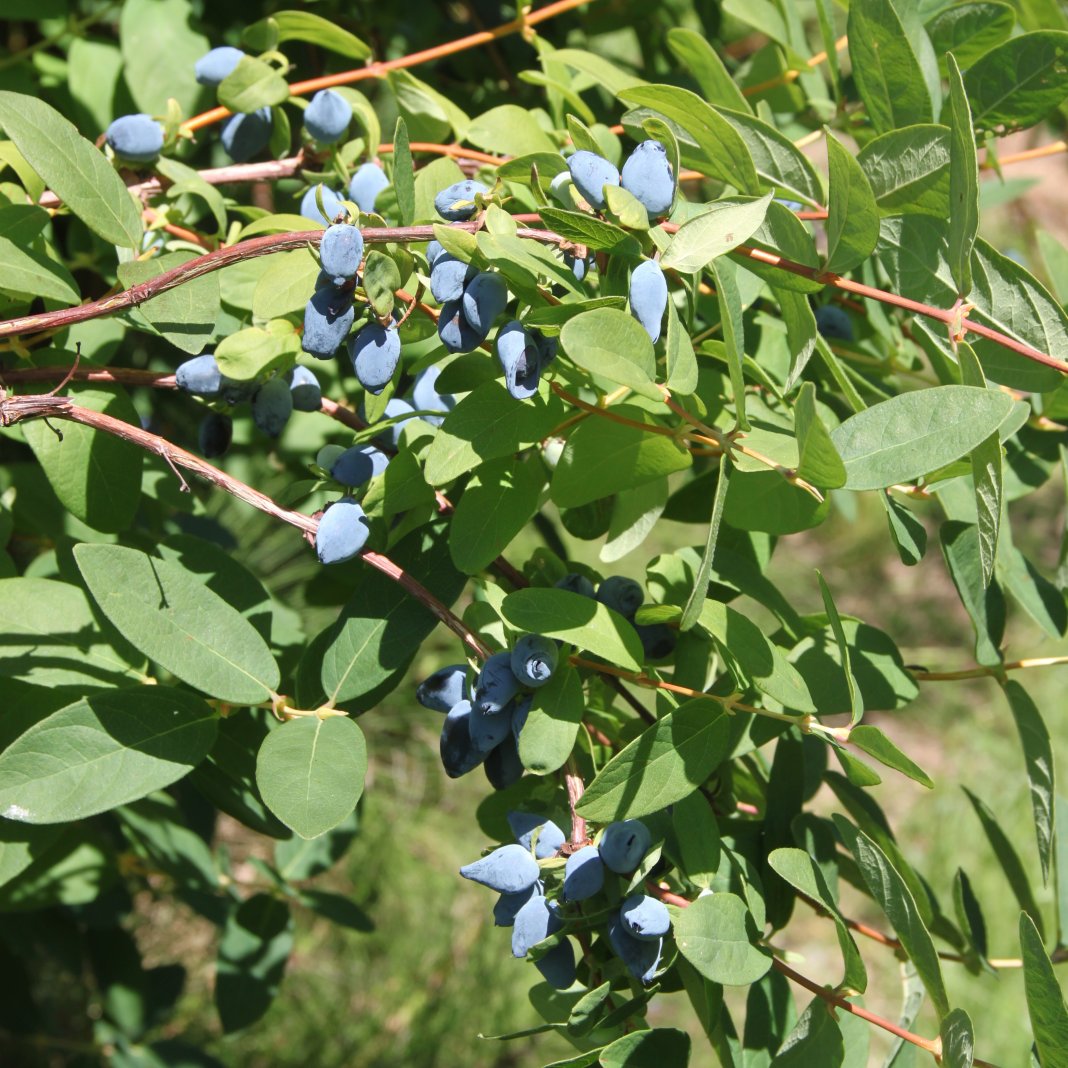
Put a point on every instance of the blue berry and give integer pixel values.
(332, 205)
(242, 136)
(645, 918)
(444, 689)
(658, 640)
(215, 433)
(457, 202)
(217, 64)
(199, 375)
(135, 138)
(832, 321)
(503, 766)
(358, 465)
(368, 181)
(647, 176)
(395, 406)
(648, 296)
(328, 318)
(624, 595)
(534, 922)
(557, 967)
(449, 276)
(458, 754)
(508, 905)
(342, 532)
(375, 352)
(640, 958)
(272, 405)
(559, 191)
(520, 358)
(426, 398)
(591, 173)
(576, 583)
(496, 685)
(327, 117)
(519, 716)
(508, 870)
(307, 394)
(550, 837)
(433, 251)
(534, 659)
(340, 252)
(488, 729)
(583, 874)
(580, 268)
(623, 845)
(484, 299)
(455, 331)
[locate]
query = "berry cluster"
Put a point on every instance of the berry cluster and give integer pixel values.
(272, 400)
(543, 901)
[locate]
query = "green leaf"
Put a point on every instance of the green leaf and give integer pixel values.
(695, 603)
(252, 85)
(1008, 859)
(852, 219)
(603, 73)
(185, 315)
(159, 49)
(958, 1040)
(984, 603)
(95, 475)
(612, 345)
(729, 300)
(304, 26)
(73, 168)
(174, 619)
(103, 751)
(497, 504)
(380, 628)
(722, 153)
(247, 354)
(970, 30)
(52, 639)
(969, 915)
(626, 208)
(885, 67)
(1018, 83)
(988, 479)
(724, 226)
(818, 460)
(381, 278)
(582, 622)
(716, 934)
(30, 272)
(590, 231)
(665, 763)
(697, 834)
(758, 659)
(1045, 1002)
(549, 733)
(75, 869)
(765, 501)
(403, 173)
(286, 285)
(22, 845)
(255, 945)
(1042, 601)
(778, 161)
(648, 1049)
(963, 182)
(908, 170)
(680, 363)
(802, 872)
(486, 424)
(694, 52)
(872, 741)
(311, 771)
(816, 1039)
(908, 533)
(856, 700)
(602, 457)
(509, 130)
(1038, 756)
(914, 433)
(892, 895)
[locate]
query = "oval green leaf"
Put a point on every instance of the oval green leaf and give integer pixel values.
(715, 935)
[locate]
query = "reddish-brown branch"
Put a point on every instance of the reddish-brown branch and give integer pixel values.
(19, 409)
(575, 789)
(379, 70)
